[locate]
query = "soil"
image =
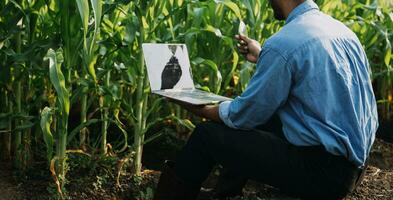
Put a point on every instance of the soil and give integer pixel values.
(9, 189)
(92, 179)
(31, 185)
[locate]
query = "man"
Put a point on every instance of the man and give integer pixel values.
(314, 77)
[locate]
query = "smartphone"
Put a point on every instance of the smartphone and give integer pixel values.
(242, 29)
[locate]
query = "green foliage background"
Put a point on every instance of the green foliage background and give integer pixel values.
(100, 78)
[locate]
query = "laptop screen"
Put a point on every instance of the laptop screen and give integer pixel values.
(168, 66)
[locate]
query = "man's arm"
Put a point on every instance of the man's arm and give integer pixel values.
(250, 49)
(267, 91)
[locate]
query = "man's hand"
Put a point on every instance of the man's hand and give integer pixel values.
(206, 111)
(248, 47)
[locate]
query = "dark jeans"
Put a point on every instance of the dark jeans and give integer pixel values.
(305, 172)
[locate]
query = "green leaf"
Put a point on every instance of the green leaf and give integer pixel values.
(250, 10)
(91, 68)
(4, 124)
(198, 16)
(124, 132)
(388, 55)
(235, 62)
(154, 107)
(97, 10)
(25, 125)
(216, 31)
(46, 120)
(235, 9)
(245, 74)
(214, 68)
(80, 127)
(5, 115)
(184, 122)
(84, 11)
(57, 79)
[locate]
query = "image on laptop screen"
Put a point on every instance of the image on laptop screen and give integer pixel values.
(168, 66)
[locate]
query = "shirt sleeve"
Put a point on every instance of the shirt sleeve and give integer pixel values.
(267, 90)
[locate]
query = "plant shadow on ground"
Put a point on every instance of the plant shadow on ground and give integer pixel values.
(96, 178)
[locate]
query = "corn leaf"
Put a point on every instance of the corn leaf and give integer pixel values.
(184, 122)
(124, 132)
(57, 79)
(84, 11)
(97, 10)
(24, 126)
(46, 120)
(235, 9)
(216, 31)
(91, 68)
(245, 75)
(80, 127)
(213, 66)
(388, 55)
(92, 59)
(235, 62)
(52, 168)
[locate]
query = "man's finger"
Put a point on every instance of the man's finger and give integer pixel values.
(242, 46)
(244, 38)
(242, 42)
(241, 38)
(243, 50)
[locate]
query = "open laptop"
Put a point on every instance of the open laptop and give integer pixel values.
(169, 72)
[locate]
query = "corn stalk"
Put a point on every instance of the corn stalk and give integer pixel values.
(18, 162)
(104, 105)
(5, 128)
(141, 104)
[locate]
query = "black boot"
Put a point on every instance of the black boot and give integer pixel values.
(171, 187)
(229, 185)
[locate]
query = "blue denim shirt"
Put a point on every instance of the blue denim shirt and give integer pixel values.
(315, 75)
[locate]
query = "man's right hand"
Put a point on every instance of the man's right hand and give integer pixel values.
(248, 47)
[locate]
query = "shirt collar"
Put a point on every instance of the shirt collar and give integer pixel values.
(306, 6)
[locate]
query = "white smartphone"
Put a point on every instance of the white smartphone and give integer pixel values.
(243, 29)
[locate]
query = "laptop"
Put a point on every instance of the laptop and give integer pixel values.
(169, 73)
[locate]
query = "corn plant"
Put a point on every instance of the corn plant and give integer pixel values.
(6, 94)
(61, 112)
(141, 95)
(15, 64)
(89, 59)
